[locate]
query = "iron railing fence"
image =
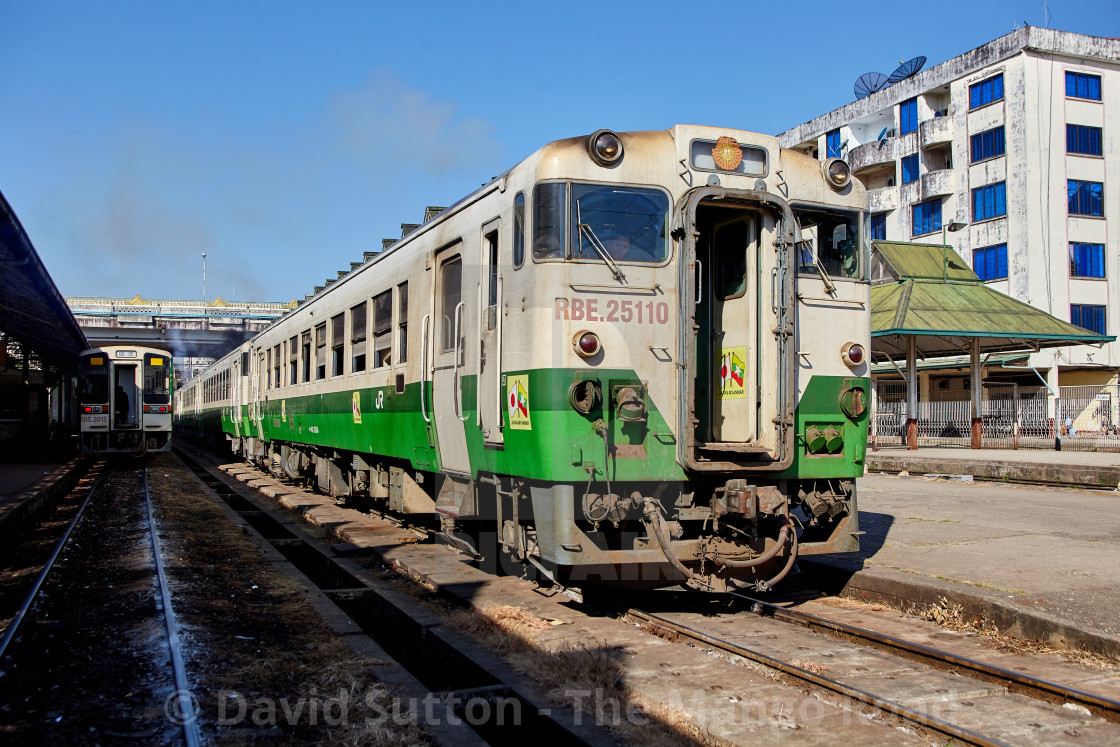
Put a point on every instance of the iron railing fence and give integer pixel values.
(1012, 417)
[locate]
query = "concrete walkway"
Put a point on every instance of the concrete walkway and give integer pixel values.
(27, 488)
(1038, 562)
(1085, 468)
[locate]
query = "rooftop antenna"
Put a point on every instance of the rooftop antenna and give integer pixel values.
(869, 83)
(906, 70)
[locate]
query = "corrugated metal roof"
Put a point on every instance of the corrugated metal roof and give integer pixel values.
(940, 300)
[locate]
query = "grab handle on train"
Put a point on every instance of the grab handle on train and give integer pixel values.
(424, 367)
(458, 349)
(699, 280)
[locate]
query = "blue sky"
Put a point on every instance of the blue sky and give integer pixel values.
(285, 138)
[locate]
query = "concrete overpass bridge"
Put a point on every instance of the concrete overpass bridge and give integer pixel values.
(196, 332)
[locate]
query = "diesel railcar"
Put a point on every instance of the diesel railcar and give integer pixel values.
(124, 399)
(634, 358)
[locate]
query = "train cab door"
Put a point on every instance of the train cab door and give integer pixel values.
(488, 416)
(726, 383)
(454, 357)
(257, 363)
(126, 396)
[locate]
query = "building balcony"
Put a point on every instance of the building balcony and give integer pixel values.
(870, 155)
(936, 131)
(883, 199)
(937, 184)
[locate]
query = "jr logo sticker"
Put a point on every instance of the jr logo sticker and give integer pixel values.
(732, 372)
(517, 399)
(357, 407)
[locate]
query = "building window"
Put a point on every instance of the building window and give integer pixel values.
(1083, 139)
(1086, 260)
(1088, 316)
(908, 116)
(987, 145)
(910, 168)
(832, 144)
(985, 92)
(1082, 86)
(989, 201)
(927, 217)
(879, 226)
(1086, 198)
(990, 262)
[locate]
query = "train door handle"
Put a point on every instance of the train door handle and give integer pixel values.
(458, 349)
(699, 280)
(424, 366)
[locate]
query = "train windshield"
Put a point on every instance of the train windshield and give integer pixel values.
(157, 379)
(600, 223)
(832, 241)
(93, 387)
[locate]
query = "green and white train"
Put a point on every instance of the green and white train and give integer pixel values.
(634, 358)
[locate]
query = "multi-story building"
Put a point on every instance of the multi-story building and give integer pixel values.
(1019, 140)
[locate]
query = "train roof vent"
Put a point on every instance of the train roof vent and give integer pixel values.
(355, 265)
(386, 243)
(318, 290)
(367, 256)
(407, 228)
(330, 281)
(342, 274)
(432, 211)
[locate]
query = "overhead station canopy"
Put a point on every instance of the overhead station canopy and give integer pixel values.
(32, 311)
(928, 291)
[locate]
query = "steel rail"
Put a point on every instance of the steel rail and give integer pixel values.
(29, 601)
(667, 628)
(186, 713)
(1015, 681)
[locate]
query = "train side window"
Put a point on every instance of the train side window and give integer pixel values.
(451, 294)
(549, 221)
(402, 323)
(268, 370)
(305, 353)
(518, 230)
(338, 342)
(293, 361)
(321, 352)
(490, 246)
(276, 366)
(382, 329)
(358, 338)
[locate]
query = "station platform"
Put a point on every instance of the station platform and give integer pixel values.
(27, 487)
(1037, 561)
(1080, 468)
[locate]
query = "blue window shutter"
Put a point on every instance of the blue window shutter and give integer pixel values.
(1001, 199)
(1071, 84)
(1001, 261)
(997, 88)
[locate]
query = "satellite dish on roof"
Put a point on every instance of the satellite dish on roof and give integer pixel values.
(869, 83)
(906, 70)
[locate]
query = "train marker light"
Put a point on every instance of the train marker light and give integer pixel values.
(586, 344)
(853, 354)
(605, 148)
(837, 173)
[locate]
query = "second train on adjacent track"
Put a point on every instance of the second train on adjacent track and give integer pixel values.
(634, 358)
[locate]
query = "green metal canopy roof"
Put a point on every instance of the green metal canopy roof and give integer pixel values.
(928, 291)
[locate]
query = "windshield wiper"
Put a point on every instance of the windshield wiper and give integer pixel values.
(829, 286)
(585, 230)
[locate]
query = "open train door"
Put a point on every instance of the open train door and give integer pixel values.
(739, 347)
(454, 355)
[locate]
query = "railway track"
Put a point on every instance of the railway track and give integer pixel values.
(180, 710)
(455, 673)
(964, 726)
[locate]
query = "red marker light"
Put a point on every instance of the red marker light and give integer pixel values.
(853, 353)
(586, 344)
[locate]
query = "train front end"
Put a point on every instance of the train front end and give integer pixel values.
(708, 329)
(124, 400)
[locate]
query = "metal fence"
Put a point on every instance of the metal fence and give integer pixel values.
(1085, 418)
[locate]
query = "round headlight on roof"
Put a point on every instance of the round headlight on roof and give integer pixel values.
(837, 173)
(605, 148)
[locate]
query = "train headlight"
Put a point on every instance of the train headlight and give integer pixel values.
(586, 344)
(853, 354)
(837, 173)
(605, 148)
